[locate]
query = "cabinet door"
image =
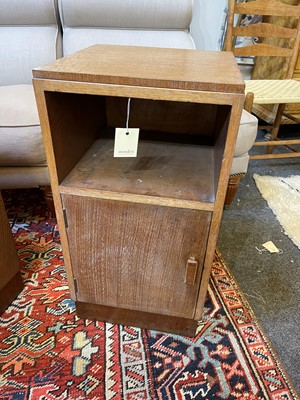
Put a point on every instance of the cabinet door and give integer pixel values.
(135, 256)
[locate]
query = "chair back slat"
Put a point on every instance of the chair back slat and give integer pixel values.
(267, 7)
(294, 57)
(265, 30)
(262, 49)
(274, 39)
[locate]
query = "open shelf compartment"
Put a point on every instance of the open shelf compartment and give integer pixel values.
(179, 153)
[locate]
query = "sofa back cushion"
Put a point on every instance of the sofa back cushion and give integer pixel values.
(136, 14)
(29, 36)
(159, 23)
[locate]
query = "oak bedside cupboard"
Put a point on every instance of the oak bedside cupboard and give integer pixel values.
(139, 233)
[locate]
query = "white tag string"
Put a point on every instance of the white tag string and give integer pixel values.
(126, 139)
(128, 113)
(261, 251)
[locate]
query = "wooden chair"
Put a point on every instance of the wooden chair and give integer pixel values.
(279, 92)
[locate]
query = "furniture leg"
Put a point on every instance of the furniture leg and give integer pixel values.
(233, 183)
(49, 198)
(11, 282)
(276, 126)
(249, 101)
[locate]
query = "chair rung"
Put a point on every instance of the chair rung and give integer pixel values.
(269, 156)
(277, 142)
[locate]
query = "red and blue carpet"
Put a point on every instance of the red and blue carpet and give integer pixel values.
(47, 352)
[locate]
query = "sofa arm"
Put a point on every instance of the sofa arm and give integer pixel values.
(246, 136)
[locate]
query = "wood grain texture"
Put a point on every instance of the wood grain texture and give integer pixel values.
(161, 169)
(221, 136)
(271, 156)
(173, 117)
(267, 7)
(10, 290)
(278, 67)
(141, 319)
(138, 199)
(264, 29)
(191, 271)
(233, 183)
(263, 50)
(222, 175)
(54, 179)
(127, 244)
(275, 40)
(10, 279)
(75, 123)
(153, 67)
(135, 255)
(279, 45)
(9, 261)
(47, 192)
(141, 92)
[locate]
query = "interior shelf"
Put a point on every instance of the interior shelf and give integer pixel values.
(175, 171)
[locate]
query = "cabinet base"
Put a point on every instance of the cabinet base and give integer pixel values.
(165, 323)
(10, 291)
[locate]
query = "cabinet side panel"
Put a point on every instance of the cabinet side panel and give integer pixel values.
(76, 121)
(134, 256)
(221, 129)
(224, 149)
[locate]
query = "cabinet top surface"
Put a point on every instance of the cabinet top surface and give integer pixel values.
(148, 66)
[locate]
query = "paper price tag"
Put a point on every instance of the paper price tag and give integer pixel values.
(270, 246)
(126, 142)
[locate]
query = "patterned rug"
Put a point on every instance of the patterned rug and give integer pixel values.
(47, 352)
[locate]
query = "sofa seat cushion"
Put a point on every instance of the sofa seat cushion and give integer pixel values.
(240, 164)
(75, 39)
(21, 141)
(247, 133)
(23, 177)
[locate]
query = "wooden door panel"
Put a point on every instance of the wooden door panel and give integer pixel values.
(134, 256)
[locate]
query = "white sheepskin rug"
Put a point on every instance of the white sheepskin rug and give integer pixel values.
(283, 197)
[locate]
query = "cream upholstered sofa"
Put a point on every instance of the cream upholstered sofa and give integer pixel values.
(29, 36)
(35, 32)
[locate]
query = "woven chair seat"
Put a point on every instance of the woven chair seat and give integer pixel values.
(265, 91)
(274, 91)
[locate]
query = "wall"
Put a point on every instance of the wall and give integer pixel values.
(207, 22)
